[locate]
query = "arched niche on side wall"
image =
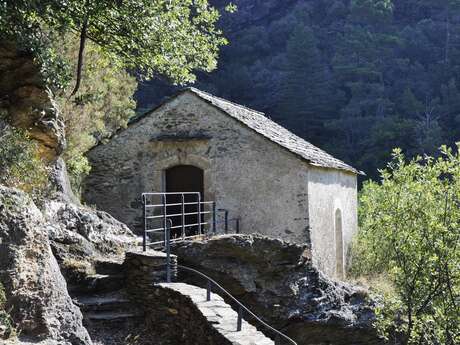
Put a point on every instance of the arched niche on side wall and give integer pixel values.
(339, 270)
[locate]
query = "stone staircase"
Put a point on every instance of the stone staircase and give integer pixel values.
(108, 314)
(222, 317)
(114, 317)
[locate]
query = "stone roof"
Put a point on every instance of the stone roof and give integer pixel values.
(258, 122)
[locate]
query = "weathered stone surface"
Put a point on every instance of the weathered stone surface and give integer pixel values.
(143, 269)
(61, 183)
(36, 291)
(81, 234)
(267, 275)
(27, 102)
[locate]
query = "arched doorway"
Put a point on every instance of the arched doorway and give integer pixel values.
(184, 178)
(339, 270)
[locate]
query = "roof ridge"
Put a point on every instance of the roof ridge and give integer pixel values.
(195, 90)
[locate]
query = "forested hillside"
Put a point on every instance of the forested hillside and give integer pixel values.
(355, 77)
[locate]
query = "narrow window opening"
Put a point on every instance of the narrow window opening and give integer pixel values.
(339, 244)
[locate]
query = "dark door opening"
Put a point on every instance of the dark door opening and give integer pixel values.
(184, 178)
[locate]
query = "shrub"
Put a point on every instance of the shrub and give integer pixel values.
(410, 231)
(6, 326)
(20, 164)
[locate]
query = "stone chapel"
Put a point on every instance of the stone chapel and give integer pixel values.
(275, 182)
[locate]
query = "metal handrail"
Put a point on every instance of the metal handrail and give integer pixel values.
(211, 282)
(240, 305)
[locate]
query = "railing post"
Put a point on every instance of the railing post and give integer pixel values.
(240, 319)
(199, 213)
(214, 218)
(164, 216)
(208, 291)
(168, 251)
(237, 220)
(144, 215)
(183, 216)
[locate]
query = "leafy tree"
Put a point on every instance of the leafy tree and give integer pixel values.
(153, 37)
(410, 231)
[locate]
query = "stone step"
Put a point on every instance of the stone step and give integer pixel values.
(110, 267)
(98, 283)
(220, 315)
(103, 302)
(111, 316)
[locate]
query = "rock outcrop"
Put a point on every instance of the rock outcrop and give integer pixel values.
(82, 234)
(60, 181)
(278, 282)
(35, 289)
(31, 241)
(27, 102)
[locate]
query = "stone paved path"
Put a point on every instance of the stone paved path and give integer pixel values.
(221, 315)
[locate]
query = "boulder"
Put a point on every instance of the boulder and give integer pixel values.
(80, 234)
(278, 282)
(36, 292)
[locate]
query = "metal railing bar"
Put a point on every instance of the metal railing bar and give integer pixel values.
(155, 230)
(188, 225)
(173, 240)
(176, 227)
(170, 193)
(177, 214)
(179, 203)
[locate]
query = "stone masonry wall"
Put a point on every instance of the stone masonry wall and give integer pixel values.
(254, 178)
(170, 314)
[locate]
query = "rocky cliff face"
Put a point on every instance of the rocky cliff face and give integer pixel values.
(27, 102)
(277, 280)
(36, 292)
(30, 243)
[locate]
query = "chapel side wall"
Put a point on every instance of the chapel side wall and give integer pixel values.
(329, 190)
(255, 179)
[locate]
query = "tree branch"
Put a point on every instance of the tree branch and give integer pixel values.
(81, 51)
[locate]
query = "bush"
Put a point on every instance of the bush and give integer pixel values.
(6, 326)
(410, 231)
(20, 164)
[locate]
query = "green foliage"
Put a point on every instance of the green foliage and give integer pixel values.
(153, 37)
(369, 11)
(103, 104)
(5, 320)
(20, 164)
(410, 230)
(307, 90)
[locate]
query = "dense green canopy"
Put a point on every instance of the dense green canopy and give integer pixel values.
(410, 233)
(153, 37)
